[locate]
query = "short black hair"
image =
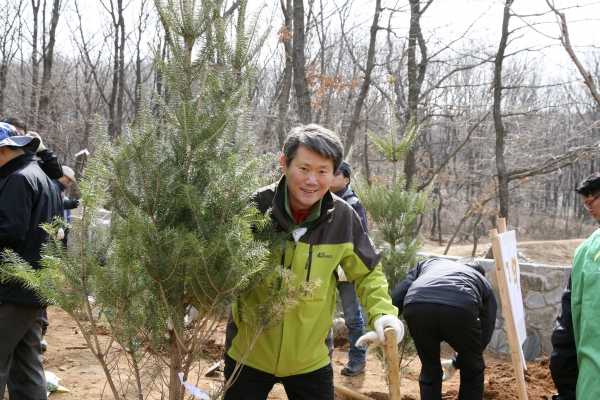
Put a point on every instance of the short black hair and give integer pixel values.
(590, 185)
(316, 138)
(15, 122)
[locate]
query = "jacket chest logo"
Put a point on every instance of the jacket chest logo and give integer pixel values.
(324, 255)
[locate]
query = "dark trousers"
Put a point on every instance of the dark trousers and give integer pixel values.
(430, 324)
(21, 366)
(252, 384)
(45, 322)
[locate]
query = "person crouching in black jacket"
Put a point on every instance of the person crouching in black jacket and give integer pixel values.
(451, 301)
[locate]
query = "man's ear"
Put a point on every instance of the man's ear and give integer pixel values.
(283, 164)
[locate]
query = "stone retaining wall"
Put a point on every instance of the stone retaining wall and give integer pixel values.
(542, 287)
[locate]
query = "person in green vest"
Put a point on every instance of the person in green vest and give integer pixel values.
(575, 358)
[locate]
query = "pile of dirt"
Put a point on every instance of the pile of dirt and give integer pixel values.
(501, 384)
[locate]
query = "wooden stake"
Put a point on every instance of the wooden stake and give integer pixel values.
(390, 350)
(513, 341)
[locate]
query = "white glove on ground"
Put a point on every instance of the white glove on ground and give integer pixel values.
(392, 322)
(36, 135)
(449, 369)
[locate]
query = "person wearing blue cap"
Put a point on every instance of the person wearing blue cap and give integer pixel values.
(357, 355)
(46, 159)
(28, 198)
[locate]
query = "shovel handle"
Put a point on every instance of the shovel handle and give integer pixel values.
(390, 349)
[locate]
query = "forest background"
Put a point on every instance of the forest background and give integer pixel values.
(509, 122)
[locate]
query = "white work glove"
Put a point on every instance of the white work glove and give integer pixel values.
(36, 135)
(449, 369)
(368, 337)
(378, 335)
(61, 233)
(392, 322)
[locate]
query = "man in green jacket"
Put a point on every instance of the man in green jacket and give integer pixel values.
(324, 232)
(575, 358)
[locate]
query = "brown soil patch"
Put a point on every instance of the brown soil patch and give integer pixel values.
(551, 252)
(81, 373)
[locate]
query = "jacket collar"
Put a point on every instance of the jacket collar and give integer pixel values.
(341, 192)
(16, 164)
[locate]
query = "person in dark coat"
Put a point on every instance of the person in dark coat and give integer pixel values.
(28, 198)
(563, 359)
(450, 301)
(357, 355)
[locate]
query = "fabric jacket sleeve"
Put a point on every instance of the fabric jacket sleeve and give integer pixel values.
(563, 359)
(400, 291)
(362, 267)
(362, 213)
(487, 316)
(70, 204)
(49, 163)
(15, 212)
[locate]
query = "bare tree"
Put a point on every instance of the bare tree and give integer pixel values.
(35, 66)
(285, 37)
(366, 83)
(47, 60)
(299, 68)
(499, 126)
(10, 20)
(566, 42)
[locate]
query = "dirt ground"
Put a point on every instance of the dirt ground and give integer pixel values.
(552, 252)
(68, 357)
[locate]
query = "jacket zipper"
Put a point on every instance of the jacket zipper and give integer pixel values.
(309, 262)
(279, 280)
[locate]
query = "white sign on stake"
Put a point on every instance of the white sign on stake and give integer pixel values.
(512, 272)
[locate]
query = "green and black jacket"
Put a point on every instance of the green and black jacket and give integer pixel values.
(334, 237)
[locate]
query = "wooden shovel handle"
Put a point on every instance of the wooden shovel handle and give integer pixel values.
(350, 393)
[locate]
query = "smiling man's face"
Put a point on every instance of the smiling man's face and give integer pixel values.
(308, 176)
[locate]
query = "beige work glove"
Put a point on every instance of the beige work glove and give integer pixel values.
(36, 135)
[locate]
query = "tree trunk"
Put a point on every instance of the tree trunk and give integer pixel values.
(366, 84)
(48, 58)
(115, 101)
(300, 82)
(498, 125)
(121, 93)
(416, 75)
(35, 67)
(286, 88)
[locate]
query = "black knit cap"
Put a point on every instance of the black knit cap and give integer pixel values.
(344, 169)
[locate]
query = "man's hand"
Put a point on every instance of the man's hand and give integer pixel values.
(391, 321)
(36, 135)
(377, 336)
(368, 337)
(449, 369)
